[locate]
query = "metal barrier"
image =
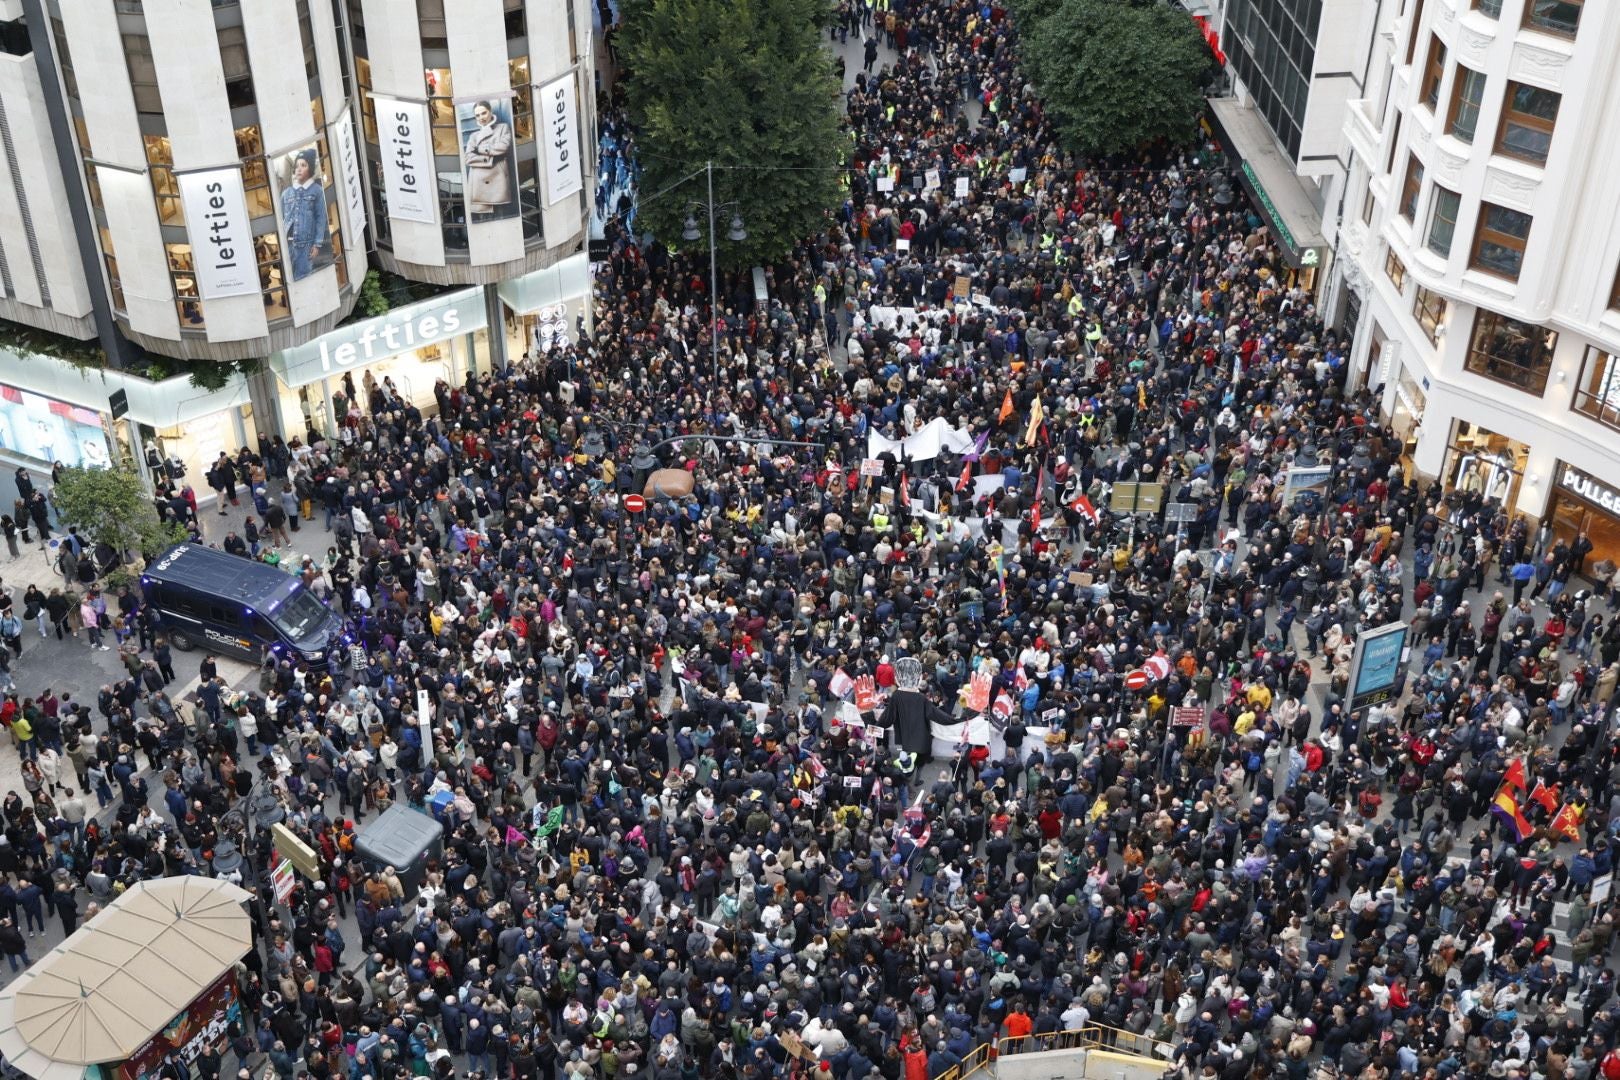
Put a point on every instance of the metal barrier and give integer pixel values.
(1091, 1037)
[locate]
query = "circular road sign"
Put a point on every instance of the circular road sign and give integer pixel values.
(635, 503)
(1136, 680)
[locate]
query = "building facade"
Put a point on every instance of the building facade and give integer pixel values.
(1481, 236)
(1293, 65)
(210, 180)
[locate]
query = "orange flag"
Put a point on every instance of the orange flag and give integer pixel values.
(1006, 407)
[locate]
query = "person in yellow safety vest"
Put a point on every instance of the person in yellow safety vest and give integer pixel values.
(1076, 306)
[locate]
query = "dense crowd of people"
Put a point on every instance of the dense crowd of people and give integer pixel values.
(693, 825)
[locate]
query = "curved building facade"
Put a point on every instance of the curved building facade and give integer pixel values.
(472, 113)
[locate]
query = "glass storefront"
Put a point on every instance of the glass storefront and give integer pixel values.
(1581, 503)
(1479, 461)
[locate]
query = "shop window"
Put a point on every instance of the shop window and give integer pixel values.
(317, 111)
(529, 199)
(182, 278)
(1467, 92)
(1561, 17)
(157, 150)
(115, 285)
(1528, 116)
(1489, 8)
(233, 55)
(523, 115)
(1499, 241)
(307, 38)
(1412, 188)
(94, 184)
(267, 250)
(368, 117)
(1429, 309)
(1443, 220)
(256, 188)
(516, 27)
(452, 211)
(1396, 270)
(1597, 392)
(1434, 71)
(442, 116)
(167, 192)
(1508, 351)
(142, 74)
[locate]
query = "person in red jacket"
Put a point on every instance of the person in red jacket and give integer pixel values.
(913, 1057)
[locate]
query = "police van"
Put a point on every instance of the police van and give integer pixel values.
(208, 599)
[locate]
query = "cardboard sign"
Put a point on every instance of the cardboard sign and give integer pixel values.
(871, 467)
(885, 183)
(852, 782)
(931, 180)
(1081, 578)
(961, 287)
(840, 684)
(961, 187)
(902, 244)
(865, 693)
(1017, 175)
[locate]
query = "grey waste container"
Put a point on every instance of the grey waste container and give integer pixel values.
(404, 839)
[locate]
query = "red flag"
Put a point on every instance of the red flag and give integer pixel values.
(1084, 507)
(905, 492)
(1035, 513)
(1567, 822)
(1546, 796)
(1006, 407)
(1514, 776)
(966, 477)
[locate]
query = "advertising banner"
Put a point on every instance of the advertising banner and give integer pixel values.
(349, 160)
(222, 256)
(301, 180)
(202, 1023)
(407, 162)
(1378, 666)
(557, 109)
(488, 167)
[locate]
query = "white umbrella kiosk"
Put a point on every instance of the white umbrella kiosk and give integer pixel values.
(150, 973)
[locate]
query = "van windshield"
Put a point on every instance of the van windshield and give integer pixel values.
(299, 615)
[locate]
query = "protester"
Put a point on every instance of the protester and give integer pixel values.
(677, 842)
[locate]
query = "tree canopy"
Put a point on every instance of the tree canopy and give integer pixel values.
(1114, 75)
(111, 506)
(748, 85)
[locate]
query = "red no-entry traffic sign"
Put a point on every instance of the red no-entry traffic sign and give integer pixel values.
(635, 503)
(1136, 680)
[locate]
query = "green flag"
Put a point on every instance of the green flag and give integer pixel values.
(554, 818)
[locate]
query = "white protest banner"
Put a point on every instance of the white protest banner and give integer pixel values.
(222, 257)
(408, 173)
(961, 187)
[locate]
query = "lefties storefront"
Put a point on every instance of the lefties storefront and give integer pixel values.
(411, 348)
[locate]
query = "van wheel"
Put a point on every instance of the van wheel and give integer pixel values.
(181, 642)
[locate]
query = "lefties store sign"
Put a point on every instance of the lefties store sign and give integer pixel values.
(407, 160)
(222, 257)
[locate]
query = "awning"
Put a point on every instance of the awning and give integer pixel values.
(1271, 182)
(102, 993)
(569, 279)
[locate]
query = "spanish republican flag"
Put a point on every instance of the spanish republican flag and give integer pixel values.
(1514, 776)
(1506, 809)
(1546, 796)
(1567, 822)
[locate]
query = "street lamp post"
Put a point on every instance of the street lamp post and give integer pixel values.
(734, 233)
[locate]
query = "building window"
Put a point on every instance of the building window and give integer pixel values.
(1367, 203)
(1443, 220)
(1412, 188)
(1518, 354)
(1499, 241)
(1429, 309)
(1412, 39)
(1434, 70)
(1467, 91)
(1597, 391)
(1614, 292)
(1395, 270)
(1490, 8)
(1528, 116)
(1561, 17)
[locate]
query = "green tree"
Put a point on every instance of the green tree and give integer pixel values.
(1115, 75)
(111, 506)
(745, 84)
